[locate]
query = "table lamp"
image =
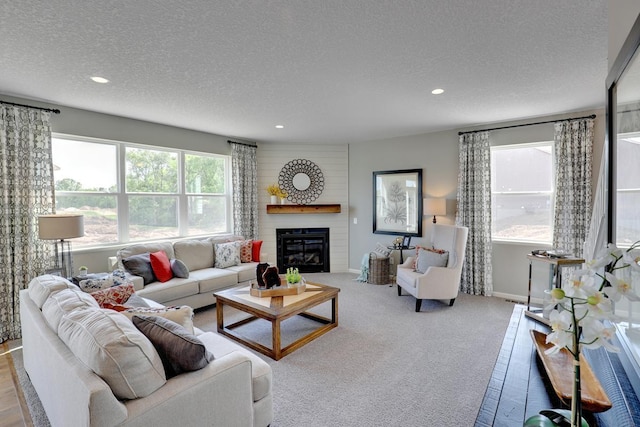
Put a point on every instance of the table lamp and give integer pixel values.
(59, 228)
(435, 206)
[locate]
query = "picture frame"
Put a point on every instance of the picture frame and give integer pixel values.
(397, 202)
(406, 241)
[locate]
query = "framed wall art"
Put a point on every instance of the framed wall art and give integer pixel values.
(397, 202)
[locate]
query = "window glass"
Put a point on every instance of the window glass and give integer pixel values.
(81, 187)
(522, 192)
(150, 171)
(162, 193)
(628, 193)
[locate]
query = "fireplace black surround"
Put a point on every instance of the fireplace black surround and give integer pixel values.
(306, 249)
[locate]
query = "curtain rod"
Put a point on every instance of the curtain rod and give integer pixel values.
(242, 143)
(593, 116)
(51, 110)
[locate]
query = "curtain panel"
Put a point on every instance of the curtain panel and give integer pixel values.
(244, 171)
(573, 150)
(27, 191)
(474, 212)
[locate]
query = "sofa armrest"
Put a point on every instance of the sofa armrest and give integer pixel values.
(220, 394)
(438, 281)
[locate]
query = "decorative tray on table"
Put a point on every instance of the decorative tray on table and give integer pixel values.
(283, 289)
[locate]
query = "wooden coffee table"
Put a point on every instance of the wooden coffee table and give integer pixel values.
(275, 310)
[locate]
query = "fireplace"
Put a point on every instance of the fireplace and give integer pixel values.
(306, 249)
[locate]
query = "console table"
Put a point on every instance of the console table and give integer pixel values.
(519, 387)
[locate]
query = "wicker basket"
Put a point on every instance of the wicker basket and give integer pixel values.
(378, 269)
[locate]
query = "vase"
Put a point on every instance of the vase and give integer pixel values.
(283, 201)
(274, 200)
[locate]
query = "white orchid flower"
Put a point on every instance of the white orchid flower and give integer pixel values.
(560, 339)
(560, 320)
(619, 288)
(632, 258)
(595, 334)
(599, 305)
(580, 285)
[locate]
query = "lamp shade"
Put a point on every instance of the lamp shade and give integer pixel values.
(434, 206)
(56, 227)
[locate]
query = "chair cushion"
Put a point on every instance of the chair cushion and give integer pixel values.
(431, 258)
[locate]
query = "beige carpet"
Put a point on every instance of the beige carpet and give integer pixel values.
(385, 364)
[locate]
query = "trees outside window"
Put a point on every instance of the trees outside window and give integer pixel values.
(156, 193)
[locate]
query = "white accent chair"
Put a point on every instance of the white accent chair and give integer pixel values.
(436, 282)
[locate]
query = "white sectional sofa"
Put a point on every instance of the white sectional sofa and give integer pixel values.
(63, 351)
(199, 255)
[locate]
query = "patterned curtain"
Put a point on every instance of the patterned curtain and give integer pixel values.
(474, 212)
(27, 190)
(573, 167)
(245, 190)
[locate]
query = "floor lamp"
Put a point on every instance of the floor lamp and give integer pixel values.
(59, 228)
(435, 207)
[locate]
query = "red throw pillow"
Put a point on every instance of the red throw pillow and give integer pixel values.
(161, 266)
(255, 252)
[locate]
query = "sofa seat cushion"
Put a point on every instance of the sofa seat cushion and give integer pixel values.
(195, 254)
(110, 345)
(212, 279)
(260, 370)
(246, 271)
(42, 286)
(168, 291)
(65, 301)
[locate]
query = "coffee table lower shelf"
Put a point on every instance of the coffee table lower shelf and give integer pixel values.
(276, 312)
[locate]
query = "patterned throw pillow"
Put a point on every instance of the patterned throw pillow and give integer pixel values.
(381, 250)
(431, 258)
(227, 254)
(246, 247)
(116, 278)
(114, 295)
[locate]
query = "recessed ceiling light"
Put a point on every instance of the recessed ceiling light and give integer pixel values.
(437, 91)
(98, 79)
(279, 126)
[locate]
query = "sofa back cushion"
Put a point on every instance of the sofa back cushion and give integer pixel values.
(42, 286)
(65, 301)
(109, 344)
(195, 254)
(142, 248)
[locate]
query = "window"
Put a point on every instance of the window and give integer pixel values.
(628, 193)
(522, 192)
(130, 193)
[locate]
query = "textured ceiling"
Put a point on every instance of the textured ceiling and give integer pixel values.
(330, 71)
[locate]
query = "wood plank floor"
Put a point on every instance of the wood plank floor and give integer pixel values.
(13, 407)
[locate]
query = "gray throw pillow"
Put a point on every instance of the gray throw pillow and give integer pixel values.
(140, 265)
(431, 258)
(136, 300)
(179, 350)
(179, 269)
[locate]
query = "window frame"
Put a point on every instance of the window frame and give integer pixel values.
(519, 240)
(182, 196)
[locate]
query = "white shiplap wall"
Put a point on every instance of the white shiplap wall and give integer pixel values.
(333, 161)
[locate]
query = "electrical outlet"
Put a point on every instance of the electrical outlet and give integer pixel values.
(355, 220)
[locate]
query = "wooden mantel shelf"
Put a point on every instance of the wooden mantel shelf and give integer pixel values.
(303, 209)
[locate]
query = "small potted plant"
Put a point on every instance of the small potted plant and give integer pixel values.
(274, 192)
(83, 270)
(293, 276)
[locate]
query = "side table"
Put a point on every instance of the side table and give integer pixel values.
(555, 273)
(401, 248)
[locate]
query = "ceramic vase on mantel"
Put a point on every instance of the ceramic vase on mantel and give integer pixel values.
(274, 200)
(283, 201)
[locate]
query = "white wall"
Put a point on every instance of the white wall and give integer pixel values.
(437, 155)
(622, 15)
(333, 162)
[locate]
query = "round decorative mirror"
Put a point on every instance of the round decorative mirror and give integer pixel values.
(302, 180)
